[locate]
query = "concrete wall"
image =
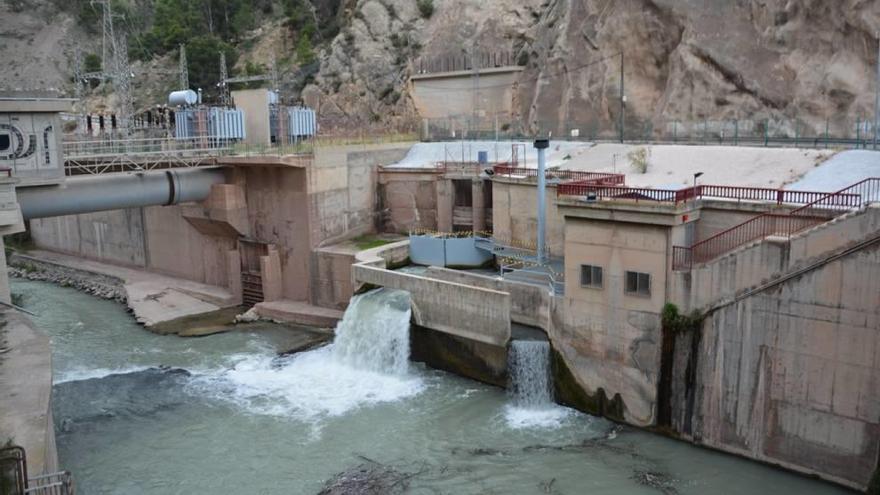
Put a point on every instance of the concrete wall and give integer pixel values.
(449, 94)
(529, 304)
(409, 199)
(157, 238)
(255, 104)
(611, 338)
(757, 262)
(26, 393)
(717, 215)
(470, 312)
(791, 375)
(342, 186)
(515, 214)
(278, 213)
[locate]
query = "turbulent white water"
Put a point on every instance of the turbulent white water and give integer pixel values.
(160, 430)
(531, 386)
(367, 363)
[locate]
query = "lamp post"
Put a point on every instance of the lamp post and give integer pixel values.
(696, 176)
(541, 145)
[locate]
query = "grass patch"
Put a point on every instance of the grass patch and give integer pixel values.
(369, 241)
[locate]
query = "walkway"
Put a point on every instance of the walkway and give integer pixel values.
(154, 298)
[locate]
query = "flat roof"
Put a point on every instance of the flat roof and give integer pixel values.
(35, 105)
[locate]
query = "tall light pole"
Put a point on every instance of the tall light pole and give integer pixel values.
(696, 176)
(622, 100)
(541, 145)
(877, 94)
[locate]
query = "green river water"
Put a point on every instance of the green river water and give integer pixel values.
(140, 413)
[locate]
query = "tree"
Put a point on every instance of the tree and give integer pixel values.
(304, 52)
(203, 58)
(426, 8)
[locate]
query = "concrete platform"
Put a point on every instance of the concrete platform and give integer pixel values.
(26, 392)
(300, 313)
(154, 298)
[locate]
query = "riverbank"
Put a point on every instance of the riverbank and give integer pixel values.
(26, 392)
(154, 299)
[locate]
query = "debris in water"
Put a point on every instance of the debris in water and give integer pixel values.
(660, 481)
(367, 479)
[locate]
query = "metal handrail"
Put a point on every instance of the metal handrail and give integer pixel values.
(816, 212)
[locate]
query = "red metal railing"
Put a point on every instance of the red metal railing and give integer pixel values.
(568, 175)
(780, 196)
(601, 191)
(863, 192)
(820, 210)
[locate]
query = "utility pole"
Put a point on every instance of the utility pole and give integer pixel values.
(224, 87)
(877, 94)
(77, 73)
(115, 66)
(273, 72)
(475, 78)
(183, 69)
(122, 84)
(622, 100)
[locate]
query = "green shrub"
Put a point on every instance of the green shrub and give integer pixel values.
(672, 320)
(638, 158)
(426, 8)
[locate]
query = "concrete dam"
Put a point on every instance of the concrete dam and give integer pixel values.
(440, 323)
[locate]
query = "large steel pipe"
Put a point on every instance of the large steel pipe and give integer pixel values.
(87, 194)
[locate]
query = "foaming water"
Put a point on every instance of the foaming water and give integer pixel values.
(531, 387)
(367, 363)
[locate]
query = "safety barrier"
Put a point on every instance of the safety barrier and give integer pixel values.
(567, 175)
(822, 208)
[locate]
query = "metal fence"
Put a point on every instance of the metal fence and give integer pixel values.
(820, 209)
(840, 132)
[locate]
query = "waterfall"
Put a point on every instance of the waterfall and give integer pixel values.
(374, 332)
(529, 370)
(531, 387)
(367, 364)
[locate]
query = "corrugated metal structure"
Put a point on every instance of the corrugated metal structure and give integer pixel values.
(216, 122)
(301, 122)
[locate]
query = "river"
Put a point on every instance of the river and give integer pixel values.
(140, 413)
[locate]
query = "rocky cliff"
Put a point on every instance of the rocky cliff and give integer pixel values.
(683, 59)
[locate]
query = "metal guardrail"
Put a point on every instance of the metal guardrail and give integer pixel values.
(60, 483)
(14, 478)
(739, 193)
(822, 208)
(595, 178)
(90, 156)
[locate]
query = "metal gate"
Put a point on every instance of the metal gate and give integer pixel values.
(251, 275)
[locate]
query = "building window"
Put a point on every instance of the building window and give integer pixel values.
(591, 276)
(5, 142)
(638, 283)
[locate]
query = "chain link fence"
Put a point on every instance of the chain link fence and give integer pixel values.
(849, 133)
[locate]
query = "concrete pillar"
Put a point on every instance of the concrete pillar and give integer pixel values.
(270, 271)
(233, 274)
(444, 205)
(5, 294)
(479, 205)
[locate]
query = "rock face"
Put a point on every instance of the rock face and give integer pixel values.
(693, 59)
(683, 59)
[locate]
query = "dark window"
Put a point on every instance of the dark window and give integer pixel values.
(591, 276)
(5, 142)
(638, 283)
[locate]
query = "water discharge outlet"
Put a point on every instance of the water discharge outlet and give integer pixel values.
(531, 386)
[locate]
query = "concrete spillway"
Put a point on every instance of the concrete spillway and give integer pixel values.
(116, 191)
